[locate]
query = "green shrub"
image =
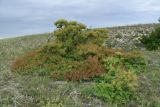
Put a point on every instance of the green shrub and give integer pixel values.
(120, 89)
(152, 41)
(120, 81)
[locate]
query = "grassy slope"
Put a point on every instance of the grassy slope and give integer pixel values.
(9, 49)
(34, 91)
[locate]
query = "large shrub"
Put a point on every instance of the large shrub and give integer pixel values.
(152, 41)
(78, 54)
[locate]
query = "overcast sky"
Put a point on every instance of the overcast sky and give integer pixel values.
(19, 17)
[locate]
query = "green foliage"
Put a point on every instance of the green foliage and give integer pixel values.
(152, 41)
(120, 81)
(72, 33)
(136, 64)
(97, 36)
(110, 92)
(55, 48)
(69, 33)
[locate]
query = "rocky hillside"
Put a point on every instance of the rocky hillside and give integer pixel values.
(133, 30)
(128, 37)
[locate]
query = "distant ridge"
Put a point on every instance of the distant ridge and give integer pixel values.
(136, 25)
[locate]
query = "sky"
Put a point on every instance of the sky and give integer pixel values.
(22, 17)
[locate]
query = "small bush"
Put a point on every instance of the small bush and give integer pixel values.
(117, 92)
(152, 41)
(119, 81)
